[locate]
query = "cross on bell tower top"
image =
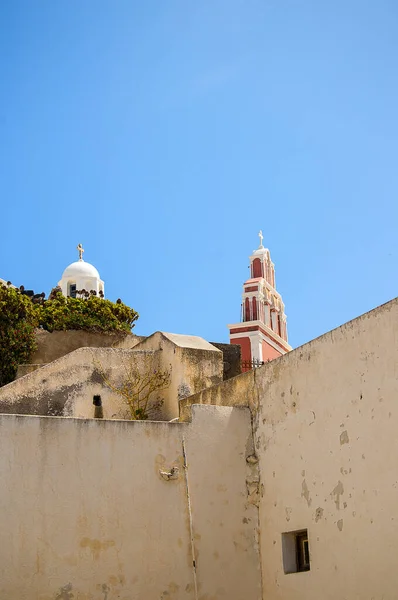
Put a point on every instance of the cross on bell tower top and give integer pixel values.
(260, 235)
(80, 250)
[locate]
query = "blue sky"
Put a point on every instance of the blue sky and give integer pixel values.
(164, 134)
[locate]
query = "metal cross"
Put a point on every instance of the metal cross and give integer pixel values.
(80, 250)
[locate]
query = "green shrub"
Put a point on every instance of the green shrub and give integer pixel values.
(19, 317)
(18, 320)
(91, 314)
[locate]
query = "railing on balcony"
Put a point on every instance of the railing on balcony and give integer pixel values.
(248, 365)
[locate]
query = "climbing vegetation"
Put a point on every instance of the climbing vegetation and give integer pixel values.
(18, 320)
(138, 385)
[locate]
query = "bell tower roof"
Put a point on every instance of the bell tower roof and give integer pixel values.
(261, 249)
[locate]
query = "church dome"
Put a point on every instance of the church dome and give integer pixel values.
(80, 275)
(80, 268)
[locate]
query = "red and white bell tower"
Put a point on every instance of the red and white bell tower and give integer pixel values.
(262, 334)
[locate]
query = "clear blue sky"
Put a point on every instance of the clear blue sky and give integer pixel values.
(164, 134)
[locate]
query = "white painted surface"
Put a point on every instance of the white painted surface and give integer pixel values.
(80, 268)
(83, 275)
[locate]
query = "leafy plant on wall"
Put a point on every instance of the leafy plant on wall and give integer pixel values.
(18, 320)
(138, 386)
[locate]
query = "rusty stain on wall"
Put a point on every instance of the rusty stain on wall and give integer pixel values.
(305, 493)
(96, 546)
(344, 439)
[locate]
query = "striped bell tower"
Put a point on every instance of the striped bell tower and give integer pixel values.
(262, 334)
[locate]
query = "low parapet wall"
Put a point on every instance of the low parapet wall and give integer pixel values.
(238, 391)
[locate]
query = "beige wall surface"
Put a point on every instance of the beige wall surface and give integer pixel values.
(65, 387)
(237, 391)
(87, 511)
(195, 367)
(223, 486)
(328, 447)
(51, 346)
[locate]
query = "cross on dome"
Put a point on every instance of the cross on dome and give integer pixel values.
(260, 235)
(80, 249)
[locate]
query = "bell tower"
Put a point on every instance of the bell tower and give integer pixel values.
(262, 333)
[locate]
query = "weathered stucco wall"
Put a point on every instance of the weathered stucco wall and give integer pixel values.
(325, 418)
(231, 359)
(195, 365)
(65, 387)
(238, 391)
(328, 447)
(223, 482)
(85, 513)
(51, 346)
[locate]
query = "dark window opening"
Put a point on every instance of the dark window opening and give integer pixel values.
(72, 290)
(98, 410)
(97, 400)
(302, 552)
(295, 551)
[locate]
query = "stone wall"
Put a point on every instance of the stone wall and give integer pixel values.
(111, 510)
(54, 345)
(51, 346)
(231, 359)
(195, 365)
(238, 391)
(66, 387)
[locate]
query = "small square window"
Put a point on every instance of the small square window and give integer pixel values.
(295, 551)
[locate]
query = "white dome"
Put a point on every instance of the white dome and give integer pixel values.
(80, 269)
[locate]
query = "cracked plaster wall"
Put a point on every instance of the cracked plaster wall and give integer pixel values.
(325, 421)
(238, 391)
(87, 514)
(326, 434)
(51, 346)
(193, 369)
(65, 387)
